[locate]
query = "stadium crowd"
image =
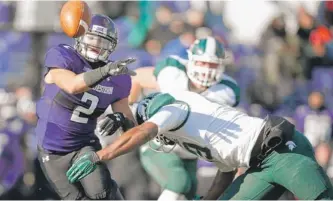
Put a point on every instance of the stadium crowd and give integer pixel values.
(281, 58)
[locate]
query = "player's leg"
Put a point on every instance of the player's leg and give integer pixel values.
(99, 184)
(54, 168)
(252, 185)
(298, 171)
(168, 170)
(191, 168)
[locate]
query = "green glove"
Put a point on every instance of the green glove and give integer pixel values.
(83, 166)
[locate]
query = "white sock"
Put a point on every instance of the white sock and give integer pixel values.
(168, 195)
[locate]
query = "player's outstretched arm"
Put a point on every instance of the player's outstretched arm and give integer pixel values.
(129, 141)
(167, 118)
(144, 79)
(77, 83)
(220, 184)
(145, 76)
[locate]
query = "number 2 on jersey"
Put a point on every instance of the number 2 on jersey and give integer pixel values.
(88, 111)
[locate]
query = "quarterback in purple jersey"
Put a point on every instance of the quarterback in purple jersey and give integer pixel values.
(80, 83)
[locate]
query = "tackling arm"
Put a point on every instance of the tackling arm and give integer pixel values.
(130, 140)
(220, 184)
(167, 118)
(164, 120)
(144, 79)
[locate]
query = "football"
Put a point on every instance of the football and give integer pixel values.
(75, 18)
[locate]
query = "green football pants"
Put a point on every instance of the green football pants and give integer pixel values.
(295, 170)
(170, 171)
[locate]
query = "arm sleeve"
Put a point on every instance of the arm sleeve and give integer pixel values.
(56, 58)
(221, 94)
(169, 117)
(172, 78)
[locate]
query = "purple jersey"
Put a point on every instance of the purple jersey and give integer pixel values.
(67, 122)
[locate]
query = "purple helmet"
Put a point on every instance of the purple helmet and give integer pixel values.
(100, 40)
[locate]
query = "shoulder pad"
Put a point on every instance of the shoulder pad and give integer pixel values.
(230, 82)
(65, 50)
(65, 47)
(158, 102)
(171, 61)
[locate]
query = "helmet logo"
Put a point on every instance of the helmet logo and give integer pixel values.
(99, 29)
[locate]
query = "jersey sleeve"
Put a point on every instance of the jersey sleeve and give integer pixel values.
(226, 92)
(222, 94)
(171, 61)
(172, 78)
(169, 117)
(171, 74)
(56, 58)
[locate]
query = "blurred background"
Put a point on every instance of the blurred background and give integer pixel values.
(281, 54)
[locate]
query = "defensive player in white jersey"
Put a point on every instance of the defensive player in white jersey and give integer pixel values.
(202, 73)
(277, 156)
(172, 167)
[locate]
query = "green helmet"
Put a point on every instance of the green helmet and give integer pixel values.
(207, 50)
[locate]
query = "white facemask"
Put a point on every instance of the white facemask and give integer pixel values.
(204, 76)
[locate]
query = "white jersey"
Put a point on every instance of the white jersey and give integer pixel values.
(214, 132)
(171, 75)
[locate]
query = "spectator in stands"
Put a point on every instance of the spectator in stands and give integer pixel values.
(17, 138)
(160, 30)
(306, 23)
(321, 42)
(328, 13)
(177, 46)
(280, 51)
(195, 18)
(315, 121)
